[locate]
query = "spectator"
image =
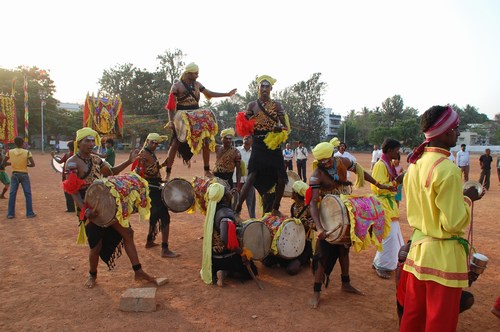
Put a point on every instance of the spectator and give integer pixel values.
(463, 161)
(485, 162)
(301, 158)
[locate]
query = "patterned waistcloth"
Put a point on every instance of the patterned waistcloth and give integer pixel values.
(367, 220)
(200, 124)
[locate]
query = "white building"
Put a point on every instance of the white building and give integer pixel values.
(74, 107)
(332, 122)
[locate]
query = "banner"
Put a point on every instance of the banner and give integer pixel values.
(8, 119)
(26, 111)
(104, 115)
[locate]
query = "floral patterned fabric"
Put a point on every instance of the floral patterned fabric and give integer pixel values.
(367, 220)
(131, 193)
(200, 124)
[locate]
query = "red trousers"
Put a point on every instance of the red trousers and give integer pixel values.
(429, 306)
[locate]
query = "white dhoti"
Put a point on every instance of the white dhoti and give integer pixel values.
(387, 260)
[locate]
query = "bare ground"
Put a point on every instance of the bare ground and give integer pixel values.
(43, 272)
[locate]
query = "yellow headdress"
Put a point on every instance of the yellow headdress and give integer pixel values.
(227, 132)
(300, 187)
(191, 68)
(155, 137)
(215, 192)
(265, 78)
(335, 142)
(85, 132)
(323, 150)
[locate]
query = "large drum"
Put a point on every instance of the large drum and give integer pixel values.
(255, 236)
(56, 166)
(335, 220)
(116, 198)
(178, 195)
(102, 203)
(288, 234)
(200, 186)
(292, 177)
(193, 123)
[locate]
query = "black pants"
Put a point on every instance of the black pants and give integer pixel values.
(289, 165)
(301, 169)
(485, 176)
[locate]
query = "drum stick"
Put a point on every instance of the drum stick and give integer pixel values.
(259, 284)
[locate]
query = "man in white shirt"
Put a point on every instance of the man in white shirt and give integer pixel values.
(343, 153)
(376, 155)
(301, 158)
(246, 151)
(288, 157)
(463, 161)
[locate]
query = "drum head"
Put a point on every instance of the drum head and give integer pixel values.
(180, 127)
(292, 177)
(257, 238)
(477, 185)
(333, 217)
(102, 203)
(56, 166)
(292, 240)
(178, 195)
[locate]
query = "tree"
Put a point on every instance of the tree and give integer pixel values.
(303, 102)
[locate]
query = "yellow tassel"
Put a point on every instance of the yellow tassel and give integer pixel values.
(247, 253)
(82, 236)
(273, 140)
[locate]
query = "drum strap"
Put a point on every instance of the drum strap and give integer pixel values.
(266, 112)
(190, 91)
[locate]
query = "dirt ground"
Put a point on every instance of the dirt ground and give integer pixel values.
(43, 272)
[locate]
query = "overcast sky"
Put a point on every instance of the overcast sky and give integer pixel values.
(429, 52)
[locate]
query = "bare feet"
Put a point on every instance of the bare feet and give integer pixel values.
(151, 244)
(315, 300)
(166, 253)
(220, 278)
(209, 174)
(141, 275)
(91, 281)
(346, 287)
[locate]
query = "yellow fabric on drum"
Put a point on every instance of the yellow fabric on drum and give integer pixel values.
(274, 244)
(132, 201)
(370, 238)
(204, 134)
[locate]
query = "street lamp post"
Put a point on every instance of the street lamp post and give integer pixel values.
(43, 95)
(344, 131)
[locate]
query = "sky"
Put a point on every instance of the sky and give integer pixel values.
(430, 52)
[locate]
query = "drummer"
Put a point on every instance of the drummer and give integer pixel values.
(228, 159)
(148, 166)
(300, 211)
(83, 168)
(185, 95)
(222, 255)
(330, 177)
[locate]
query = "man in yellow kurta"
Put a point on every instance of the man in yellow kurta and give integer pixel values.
(385, 172)
(439, 212)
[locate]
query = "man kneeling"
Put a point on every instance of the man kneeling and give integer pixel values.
(222, 254)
